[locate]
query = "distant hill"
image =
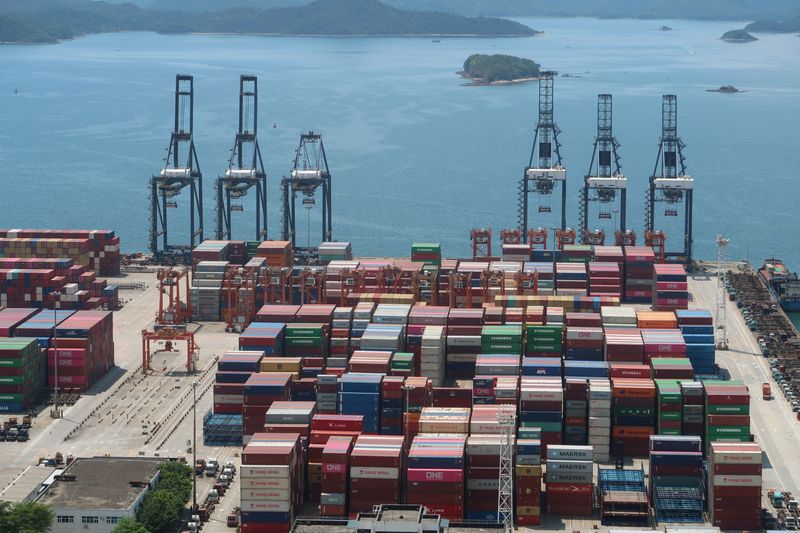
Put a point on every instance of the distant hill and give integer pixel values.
(778, 25)
(499, 68)
(321, 17)
(651, 9)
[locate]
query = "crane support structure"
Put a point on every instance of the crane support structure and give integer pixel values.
(171, 308)
(669, 183)
(178, 174)
(169, 335)
(544, 173)
(309, 172)
(604, 183)
(245, 167)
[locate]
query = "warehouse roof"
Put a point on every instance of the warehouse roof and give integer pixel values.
(101, 483)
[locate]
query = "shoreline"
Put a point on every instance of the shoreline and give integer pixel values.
(480, 82)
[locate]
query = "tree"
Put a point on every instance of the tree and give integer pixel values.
(161, 510)
(129, 525)
(176, 477)
(27, 517)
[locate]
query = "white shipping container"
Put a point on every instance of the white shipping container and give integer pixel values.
(265, 471)
(731, 457)
(482, 484)
(598, 422)
(277, 495)
(541, 395)
(235, 399)
(266, 506)
(463, 340)
(265, 483)
(599, 432)
(600, 412)
(461, 357)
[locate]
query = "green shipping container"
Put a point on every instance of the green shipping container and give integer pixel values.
(11, 380)
(728, 432)
(728, 409)
(667, 415)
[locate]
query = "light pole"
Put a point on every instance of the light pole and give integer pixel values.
(615, 211)
(555, 248)
(194, 446)
(56, 411)
(407, 391)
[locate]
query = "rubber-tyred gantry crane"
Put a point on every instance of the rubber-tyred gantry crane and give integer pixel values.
(669, 184)
(245, 168)
(169, 335)
(171, 307)
(481, 242)
(239, 286)
(604, 183)
(544, 173)
(178, 174)
(309, 172)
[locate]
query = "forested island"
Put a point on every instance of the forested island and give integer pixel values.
(495, 69)
(738, 36)
(782, 25)
(75, 18)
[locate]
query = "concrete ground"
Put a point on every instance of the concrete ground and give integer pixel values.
(129, 414)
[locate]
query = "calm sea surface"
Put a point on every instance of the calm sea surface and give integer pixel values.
(414, 154)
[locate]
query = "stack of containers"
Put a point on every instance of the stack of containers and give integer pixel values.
(576, 394)
(515, 252)
(639, 261)
(541, 366)
(734, 491)
(277, 313)
(333, 279)
(310, 341)
(671, 368)
(364, 361)
(541, 405)
(697, 328)
(670, 407)
(445, 420)
(544, 341)
(528, 481)
(497, 365)
(484, 418)
(622, 370)
(327, 390)
(576, 253)
(237, 252)
(376, 464)
(546, 276)
(385, 337)
(360, 394)
(21, 374)
(41, 326)
(693, 417)
(85, 350)
(663, 343)
(618, 317)
(206, 291)
(421, 317)
(211, 251)
(272, 482)
(335, 470)
(600, 419)
(605, 279)
(260, 390)
(290, 417)
(435, 476)
(335, 251)
(222, 429)
(429, 253)
(676, 478)
(623, 497)
(633, 415)
(402, 364)
(233, 370)
(340, 335)
(362, 316)
(392, 405)
(672, 288)
(417, 395)
(277, 253)
(610, 254)
(11, 318)
(432, 357)
(266, 337)
(483, 458)
(571, 279)
(98, 249)
(501, 340)
(464, 327)
(584, 344)
(727, 412)
(624, 345)
(570, 480)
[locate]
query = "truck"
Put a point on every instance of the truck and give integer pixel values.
(212, 466)
(766, 391)
(233, 518)
(199, 467)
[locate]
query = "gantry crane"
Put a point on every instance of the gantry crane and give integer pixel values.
(245, 167)
(277, 283)
(510, 236)
(604, 180)
(481, 242)
(176, 175)
(171, 307)
(311, 283)
(309, 172)
(351, 280)
(169, 335)
(239, 286)
(669, 183)
(425, 286)
(548, 174)
(460, 283)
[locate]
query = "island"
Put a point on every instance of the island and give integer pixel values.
(777, 25)
(320, 17)
(665, 28)
(729, 89)
(738, 36)
(499, 69)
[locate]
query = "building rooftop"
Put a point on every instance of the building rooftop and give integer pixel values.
(101, 483)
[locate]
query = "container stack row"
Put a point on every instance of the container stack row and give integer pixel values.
(672, 287)
(96, 249)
